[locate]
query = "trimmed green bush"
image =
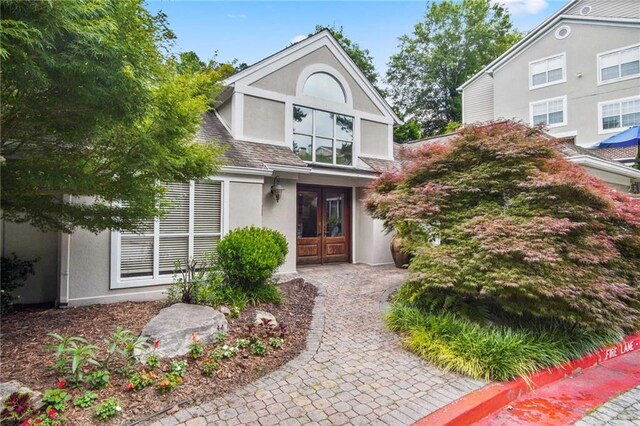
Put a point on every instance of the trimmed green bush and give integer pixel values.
(488, 351)
(249, 256)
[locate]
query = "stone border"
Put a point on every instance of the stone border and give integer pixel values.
(384, 300)
(314, 338)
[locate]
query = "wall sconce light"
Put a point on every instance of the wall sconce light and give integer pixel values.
(276, 188)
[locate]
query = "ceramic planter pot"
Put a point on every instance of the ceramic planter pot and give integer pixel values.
(400, 258)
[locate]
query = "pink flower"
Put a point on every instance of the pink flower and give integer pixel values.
(52, 413)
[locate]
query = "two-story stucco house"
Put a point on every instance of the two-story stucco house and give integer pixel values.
(304, 130)
(578, 73)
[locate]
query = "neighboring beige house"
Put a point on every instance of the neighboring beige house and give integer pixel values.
(304, 123)
(578, 73)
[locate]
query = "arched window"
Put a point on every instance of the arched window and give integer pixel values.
(324, 86)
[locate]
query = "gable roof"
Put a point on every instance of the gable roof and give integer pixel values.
(570, 11)
(322, 38)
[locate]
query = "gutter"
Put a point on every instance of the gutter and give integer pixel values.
(246, 171)
(608, 166)
(304, 170)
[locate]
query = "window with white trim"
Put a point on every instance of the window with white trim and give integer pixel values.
(550, 112)
(191, 229)
(619, 65)
(548, 71)
(619, 114)
(322, 137)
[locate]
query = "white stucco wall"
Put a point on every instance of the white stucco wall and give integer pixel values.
(263, 119)
(29, 243)
(281, 216)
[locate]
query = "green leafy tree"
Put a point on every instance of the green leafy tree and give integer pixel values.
(454, 42)
(93, 107)
(499, 220)
(362, 57)
(409, 131)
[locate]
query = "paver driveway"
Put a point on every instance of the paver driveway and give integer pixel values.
(353, 371)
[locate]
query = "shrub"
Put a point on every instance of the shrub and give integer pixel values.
(13, 272)
(124, 344)
(276, 342)
(108, 409)
(16, 407)
(141, 380)
(86, 400)
(187, 288)
(498, 219)
(210, 367)
(258, 348)
(249, 256)
(169, 381)
(73, 354)
(56, 399)
(98, 379)
(488, 351)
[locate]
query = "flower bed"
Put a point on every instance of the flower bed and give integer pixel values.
(249, 353)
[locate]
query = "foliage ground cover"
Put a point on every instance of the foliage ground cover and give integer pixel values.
(25, 358)
(513, 246)
(492, 351)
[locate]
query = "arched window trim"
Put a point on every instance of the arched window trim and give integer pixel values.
(319, 102)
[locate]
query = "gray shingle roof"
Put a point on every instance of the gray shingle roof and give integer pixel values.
(242, 153)
(379, 164)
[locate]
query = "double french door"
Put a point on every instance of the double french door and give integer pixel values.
(324, 225)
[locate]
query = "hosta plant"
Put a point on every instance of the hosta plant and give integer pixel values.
(499, 222)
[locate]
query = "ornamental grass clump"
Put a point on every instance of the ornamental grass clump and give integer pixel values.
(502, 226)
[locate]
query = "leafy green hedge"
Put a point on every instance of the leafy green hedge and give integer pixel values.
(492, 352)
(249, 256)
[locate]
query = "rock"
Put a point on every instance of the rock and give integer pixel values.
(266, 319)
(173, 327)
(224, 310)
(13, 386)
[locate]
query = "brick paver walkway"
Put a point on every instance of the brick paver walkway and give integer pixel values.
(353, 371)
(622, 410)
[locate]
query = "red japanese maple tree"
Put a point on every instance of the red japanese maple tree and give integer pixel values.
(498, 217)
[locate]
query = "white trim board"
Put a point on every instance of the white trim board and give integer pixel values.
(303, 48)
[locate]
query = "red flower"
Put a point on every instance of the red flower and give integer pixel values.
(156, 344)
(61, 383)
(38, 421)
(52, 413)
(131, 386)
(26, 423)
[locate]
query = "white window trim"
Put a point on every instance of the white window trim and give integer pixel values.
(323, 68)
(553, 83)
(565, 111)
(615, 80)
(116, 282)
(601, 130)
(334, 139)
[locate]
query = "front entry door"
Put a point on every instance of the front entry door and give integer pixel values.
(324, 225)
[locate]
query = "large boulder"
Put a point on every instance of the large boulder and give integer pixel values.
(174, 326)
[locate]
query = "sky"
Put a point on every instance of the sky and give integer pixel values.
(252, 30)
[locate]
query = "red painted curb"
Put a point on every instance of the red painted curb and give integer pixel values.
(479, 404)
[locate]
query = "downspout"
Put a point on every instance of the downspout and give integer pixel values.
(65, 261)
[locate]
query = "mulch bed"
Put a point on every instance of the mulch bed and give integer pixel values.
(24, 358)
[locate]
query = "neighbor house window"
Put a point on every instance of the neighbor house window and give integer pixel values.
(191, 229)
(322, 137)
(550, 112)
(619, 65)
(619, 114)
(547, 71)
